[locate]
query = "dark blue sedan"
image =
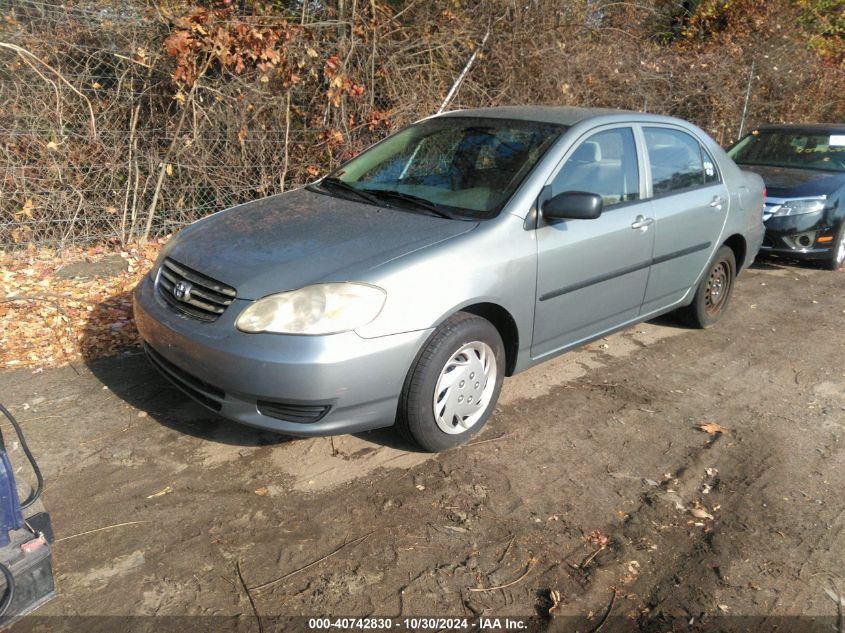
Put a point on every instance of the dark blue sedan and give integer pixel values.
(804, 170)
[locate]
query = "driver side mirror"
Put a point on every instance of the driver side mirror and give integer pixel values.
(573, 205)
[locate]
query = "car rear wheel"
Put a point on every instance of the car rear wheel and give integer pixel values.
(714, 291)
(454, 383)
(837, 252)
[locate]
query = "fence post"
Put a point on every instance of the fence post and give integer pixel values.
(454, 89)
(747, 97)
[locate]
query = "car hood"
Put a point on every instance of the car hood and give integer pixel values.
(788, 182)
(301, 237)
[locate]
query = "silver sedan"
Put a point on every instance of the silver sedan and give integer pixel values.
(404, 286)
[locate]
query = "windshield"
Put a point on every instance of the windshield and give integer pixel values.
(450, 166)
(803, 149)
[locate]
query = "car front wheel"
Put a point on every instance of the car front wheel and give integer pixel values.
(454, 383)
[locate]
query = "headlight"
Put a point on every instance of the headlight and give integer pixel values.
(318, 309)
(800, 207)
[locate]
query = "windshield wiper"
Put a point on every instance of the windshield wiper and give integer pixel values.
(337, 183)
(418, 202)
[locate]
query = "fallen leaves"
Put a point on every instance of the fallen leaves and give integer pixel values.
(713, 428)
(700, 513)
(49, 320)
(632, 572)
(554, 598)
(599, 541)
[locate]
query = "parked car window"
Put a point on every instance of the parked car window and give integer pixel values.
(464, 165)
(678, 161)
(604, 164)
(803, 149)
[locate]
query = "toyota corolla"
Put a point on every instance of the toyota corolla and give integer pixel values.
(405, 285)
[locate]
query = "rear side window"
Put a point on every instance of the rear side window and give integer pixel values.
(678, 161)
(604, 164)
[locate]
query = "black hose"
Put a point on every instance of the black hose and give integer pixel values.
(40, 486)
(9, 595)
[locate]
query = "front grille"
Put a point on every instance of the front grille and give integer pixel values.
(198, 389)
(303, 414)
(193, 293)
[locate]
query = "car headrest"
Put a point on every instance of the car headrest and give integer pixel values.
(587, 152)
(509, 155)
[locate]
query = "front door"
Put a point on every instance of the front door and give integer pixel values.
(592, 274)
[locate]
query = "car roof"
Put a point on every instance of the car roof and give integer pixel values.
(561, 115)
(814, 127)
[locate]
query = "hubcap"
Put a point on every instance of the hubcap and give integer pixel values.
(840, 251)
(718, 286)
(464, 388)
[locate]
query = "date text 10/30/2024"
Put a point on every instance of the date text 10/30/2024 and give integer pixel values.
(418, 624)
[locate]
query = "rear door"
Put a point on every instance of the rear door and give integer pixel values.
(592, 274)
(690, 205)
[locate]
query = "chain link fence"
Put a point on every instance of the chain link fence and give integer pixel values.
(122, 120)
(100, 143)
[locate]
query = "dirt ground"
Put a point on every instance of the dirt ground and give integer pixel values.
(588, 492)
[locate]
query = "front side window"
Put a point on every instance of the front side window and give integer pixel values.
(463, 166)
(677, 161)
(604, 164)
(792, 148)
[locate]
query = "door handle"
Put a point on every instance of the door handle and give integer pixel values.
(717, 202)
(642, 223)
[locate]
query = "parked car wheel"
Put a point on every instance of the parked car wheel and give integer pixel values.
(837, 255)
(714, 291)
(454, 383)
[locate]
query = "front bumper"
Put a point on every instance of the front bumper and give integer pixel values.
(782, 235)
(355, 381)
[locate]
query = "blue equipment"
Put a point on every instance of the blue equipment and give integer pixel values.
(25, 537)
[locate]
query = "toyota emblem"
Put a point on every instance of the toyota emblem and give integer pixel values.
(182, 291)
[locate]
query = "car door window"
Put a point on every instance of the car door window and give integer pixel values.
(677, 161)
(604, 164)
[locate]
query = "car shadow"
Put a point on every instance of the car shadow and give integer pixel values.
(770, 262)
(669, 320)
(132, 378)
(111, 351)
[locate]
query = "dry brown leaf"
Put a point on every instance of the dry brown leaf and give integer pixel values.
(700, 513)
(25, 210)
(262, 491)
(712, 428)
(554, 596)
(598, 539)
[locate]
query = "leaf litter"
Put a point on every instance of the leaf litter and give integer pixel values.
(49, 320)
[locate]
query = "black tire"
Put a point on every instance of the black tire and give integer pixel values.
(836, 260)
(714, 291)
(416, 415)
